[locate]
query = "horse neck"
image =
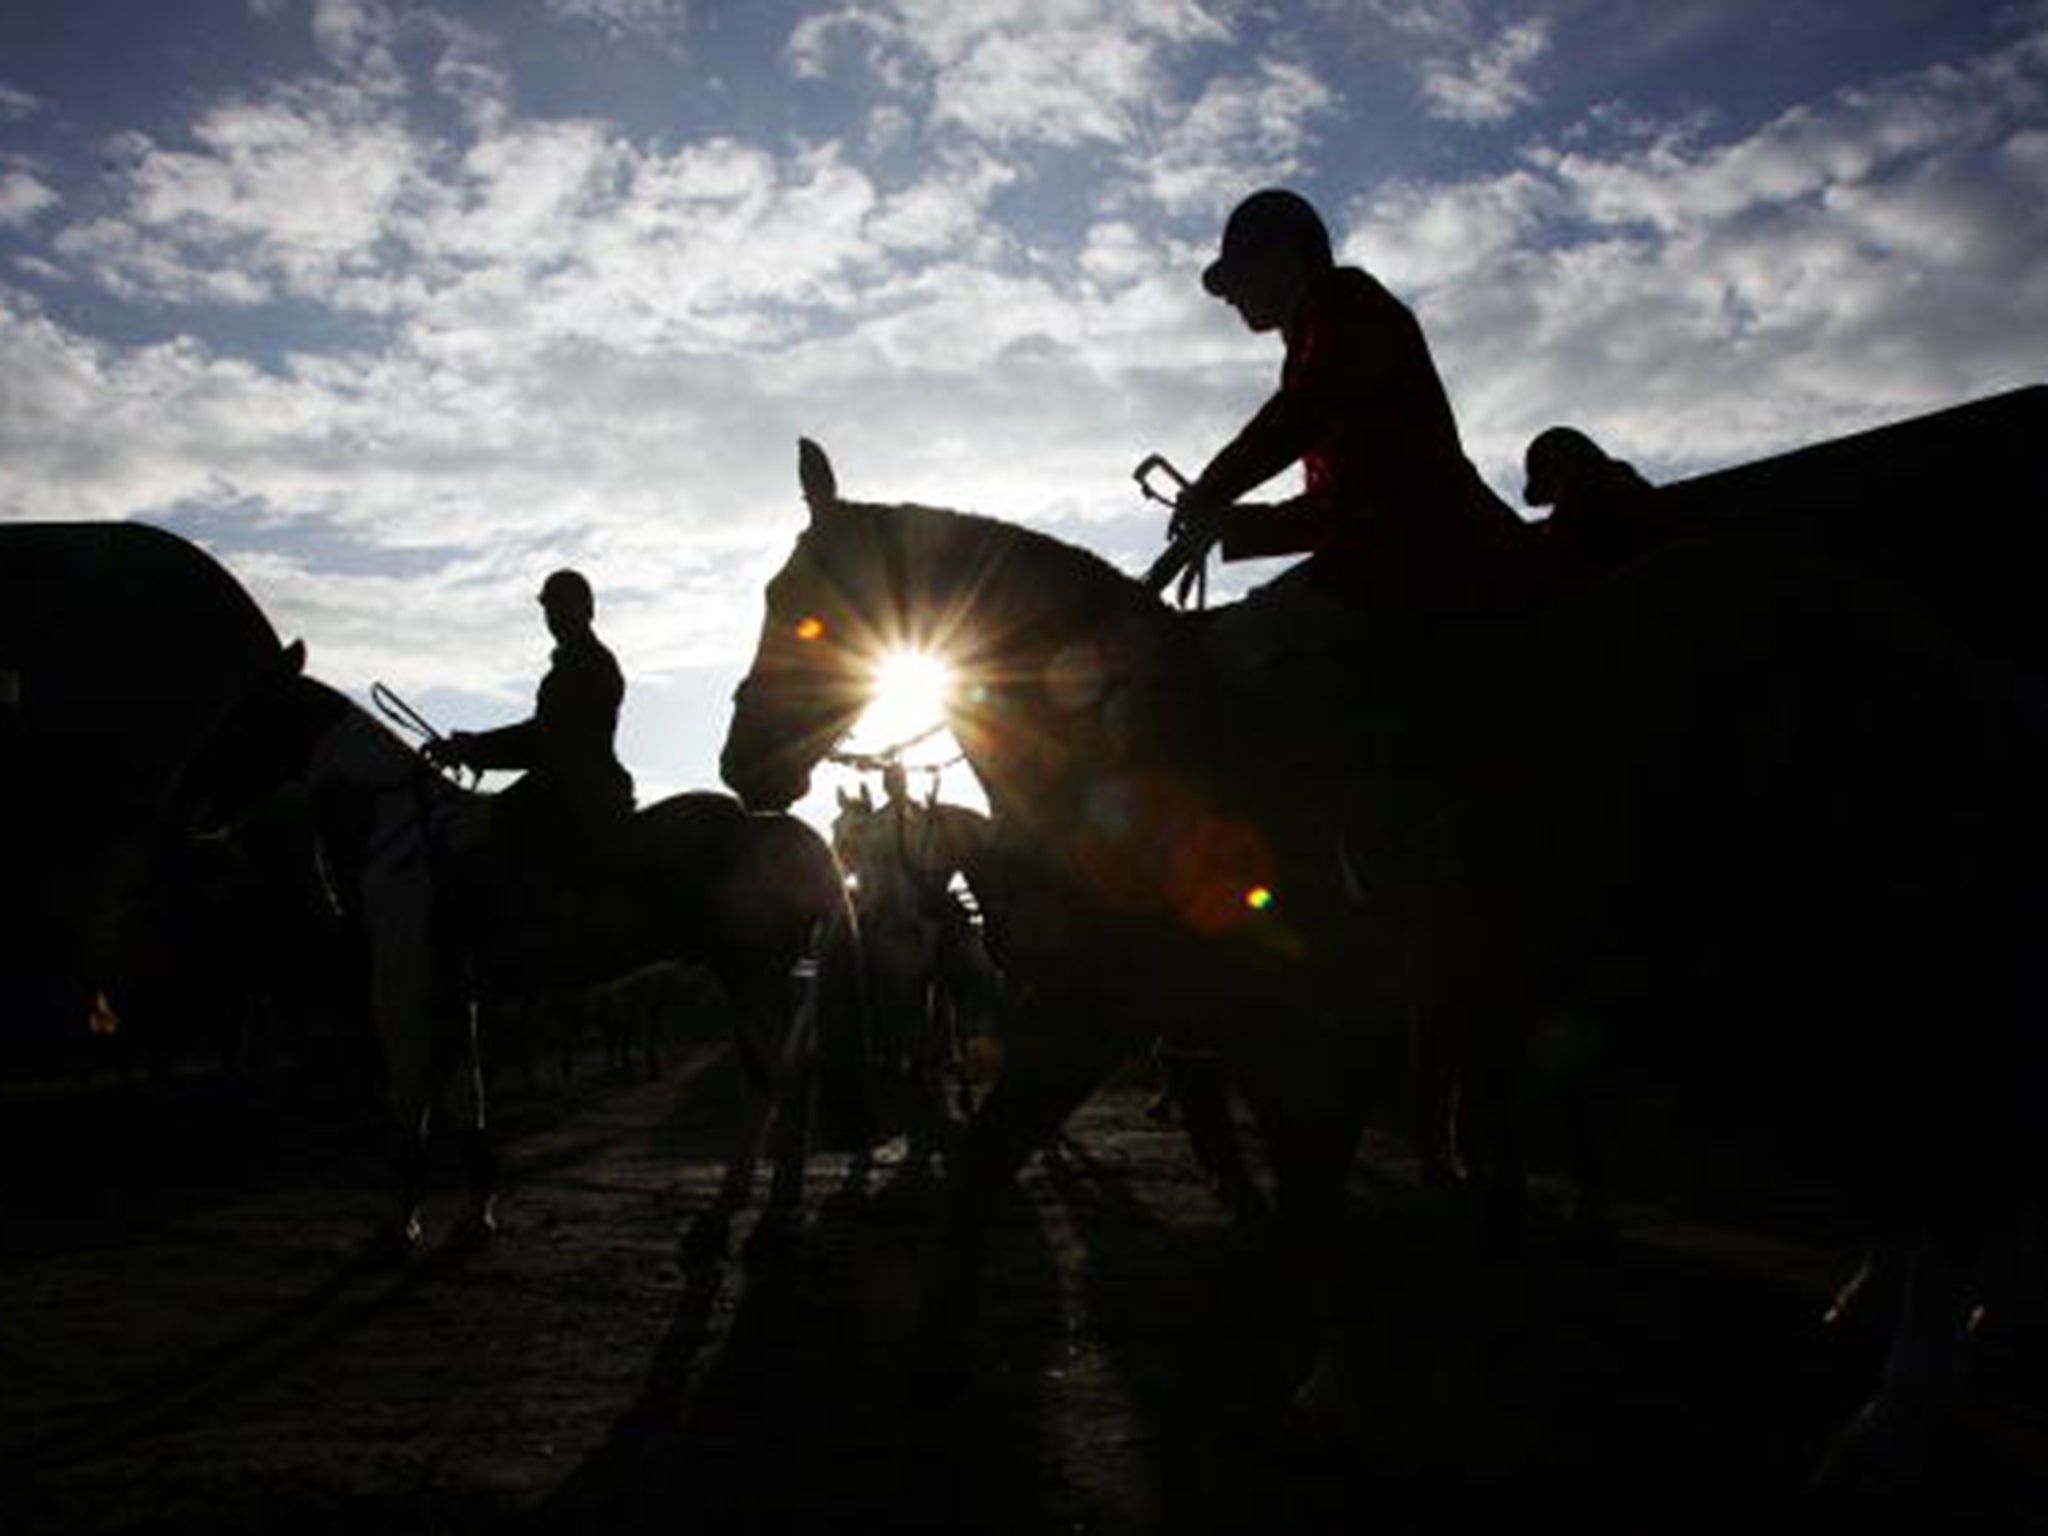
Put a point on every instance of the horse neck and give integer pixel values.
(954, 835)
(354, 752)
(376, 791)
(1058, 636)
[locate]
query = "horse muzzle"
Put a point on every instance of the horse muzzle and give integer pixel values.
(764, 781)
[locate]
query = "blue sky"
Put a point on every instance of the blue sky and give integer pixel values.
(397, 306)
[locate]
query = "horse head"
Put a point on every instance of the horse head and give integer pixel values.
(1038, 636)
(834, 610)
(244, 755)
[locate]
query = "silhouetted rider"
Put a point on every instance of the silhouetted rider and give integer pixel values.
(1600, 512)
(572, 784)
(1392, 515)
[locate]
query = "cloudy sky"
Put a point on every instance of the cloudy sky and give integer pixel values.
(396, 306)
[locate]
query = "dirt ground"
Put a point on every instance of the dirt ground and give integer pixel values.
(192, 1339)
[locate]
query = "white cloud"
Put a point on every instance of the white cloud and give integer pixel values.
(1420, 235)
(289, 194)
(1079, 75)
(1118, 254)
(468, 71)
(519, 196)
(16, 104)
(1488, 85)
(1063, 73)
(812, 40)
(1857, 259)
(659, 18)
(1242, 129)
(598, 348)
(947, 211)
(23, 195)
(1469, 64)
(1674, 183)
(360, 38)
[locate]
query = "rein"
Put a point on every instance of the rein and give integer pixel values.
(1185, 556)
(401, 714)
(406, 718)
(891, 755)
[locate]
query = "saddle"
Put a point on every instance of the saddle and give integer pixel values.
(1360, 755)
(527, 889)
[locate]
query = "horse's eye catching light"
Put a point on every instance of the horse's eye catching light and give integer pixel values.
(810, 627)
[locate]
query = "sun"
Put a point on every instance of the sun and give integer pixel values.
(911, 688)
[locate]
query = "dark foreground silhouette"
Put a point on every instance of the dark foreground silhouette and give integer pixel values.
(1732, 853)
(690, 880)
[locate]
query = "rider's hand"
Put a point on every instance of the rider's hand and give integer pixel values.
(448, 751)
(1197, 516)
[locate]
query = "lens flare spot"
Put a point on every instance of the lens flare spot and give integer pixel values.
(102, 1021)
(810, 627)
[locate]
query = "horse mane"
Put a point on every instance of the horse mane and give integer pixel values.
(1036, 562)
(316, 706)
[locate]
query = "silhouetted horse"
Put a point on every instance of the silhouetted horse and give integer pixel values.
(120, 644)
(693, 878)
(931, 978)
(1730, 779)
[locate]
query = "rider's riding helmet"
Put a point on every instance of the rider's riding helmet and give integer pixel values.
(568, 590)
(1270, 220)
(1556, 458)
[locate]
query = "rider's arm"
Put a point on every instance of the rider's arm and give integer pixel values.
(1340, 362)
(509, 746)
(1284, 429)
(1295, 527)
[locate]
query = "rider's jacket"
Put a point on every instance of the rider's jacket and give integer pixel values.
(1602, 517)
(1361, 407)
(567, 745)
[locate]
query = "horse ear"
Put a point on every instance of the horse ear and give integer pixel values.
(294, 657)
(814, 474)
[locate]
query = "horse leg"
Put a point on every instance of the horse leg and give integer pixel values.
(795, 1099)
(1071, 1049)
(1309, 1105)
(405, 1233)
(1197, 1081)
(926, 1132)
(479, 1156)
(1493, 1096)
(402, 1023)
(1590, 1217)
(757, 1113)
(1882, 1448)
(1434, 1103)
(766, 1035)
